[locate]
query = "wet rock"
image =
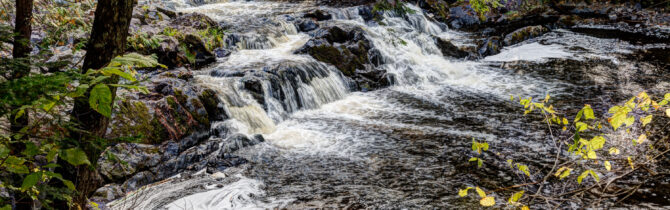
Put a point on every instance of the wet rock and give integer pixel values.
(196, 47)
(107, 193)
(213, 105)
(318, 15)
(490, 46)
(462, 16)
(169, 13)
(350, 52)
(124, 159)
(238, 141)
(366, 12)
(308, 25)
(449, 49)
(138, 180)
(194, 20)
(524, 33)
(173, 109)
(222, 52)
(438, 8)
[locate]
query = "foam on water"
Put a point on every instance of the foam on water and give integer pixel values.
(242, 194)
(530, 52)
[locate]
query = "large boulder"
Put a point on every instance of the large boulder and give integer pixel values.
(463, 17)
(449, 49)
(196, 51)
(173, 109)
(524, 33)
(194, 20)
(125, 159)
(350, 52)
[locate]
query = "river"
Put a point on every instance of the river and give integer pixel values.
(402, 147)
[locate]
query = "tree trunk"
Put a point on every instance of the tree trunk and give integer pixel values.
(108, 40)
(20, 52)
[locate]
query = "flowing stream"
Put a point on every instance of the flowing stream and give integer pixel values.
(406, 146)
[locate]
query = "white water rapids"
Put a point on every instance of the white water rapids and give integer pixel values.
(390, 148)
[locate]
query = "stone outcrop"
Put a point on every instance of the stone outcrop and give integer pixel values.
(350, 52)
(524, 33)
(173, 109)
(176, 39)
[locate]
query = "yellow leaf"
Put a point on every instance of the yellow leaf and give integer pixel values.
(464, 192)
(646, 120)
(614, 151)
(667, 112)
(565, 121)
(591, 155)
(480, 192)
(487, 201)
(608, 166)
(630, 162)
(516, 196)
(641, 139)
(525, 208)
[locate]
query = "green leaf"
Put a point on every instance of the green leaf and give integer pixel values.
(591, 155)
(585, 174)
(52, 155)
(630, 120)
(80, 91)
(30, 150)
(31, 180)
(582, 176)
(579, 115)
(595, 176)
(98, 79)
(15, 165)
(4, 151)
(75, 156)
(646, 120)
(565, 173)
(68, 184)
(108, 71)
(142, 89)
(588, 112)
(101, 100)
(581, 126)
(6, 207)
(464, 192)
(19, 114)
(597, 142)
(524, 169)
(516, 196)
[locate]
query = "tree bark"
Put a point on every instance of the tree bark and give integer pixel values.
(20, 53)
(108, 40)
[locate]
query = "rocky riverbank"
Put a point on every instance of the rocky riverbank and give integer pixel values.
(177, 120)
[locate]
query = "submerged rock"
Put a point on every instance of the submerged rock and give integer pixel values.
(449, 49)
(318, 15)
(490, 46)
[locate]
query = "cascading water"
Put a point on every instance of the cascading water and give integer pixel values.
(401, 147)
